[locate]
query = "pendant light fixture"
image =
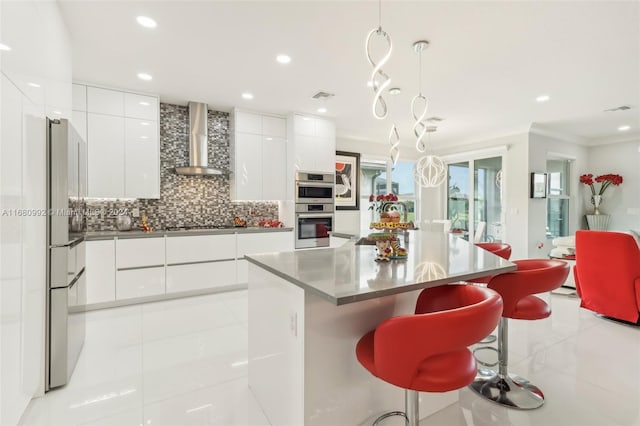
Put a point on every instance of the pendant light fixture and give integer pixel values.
(394, 141)
(379, 80)
(419, 100)
(430, 170)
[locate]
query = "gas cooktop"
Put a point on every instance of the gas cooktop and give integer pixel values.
(200, 227)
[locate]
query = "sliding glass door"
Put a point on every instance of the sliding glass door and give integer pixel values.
(482, 219)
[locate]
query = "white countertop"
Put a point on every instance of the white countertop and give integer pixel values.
(350, 274)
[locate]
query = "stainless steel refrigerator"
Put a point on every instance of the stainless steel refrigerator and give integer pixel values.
(66, 289)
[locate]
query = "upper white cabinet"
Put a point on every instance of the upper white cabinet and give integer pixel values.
(140, 106)
(313, 143)
(141, 159)
(105, 148)
(105, 101)
(258, 157)
(122, 132)
(79, 97)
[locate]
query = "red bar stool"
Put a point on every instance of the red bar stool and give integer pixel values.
(427, 352)
(499, 249)
(517, 290)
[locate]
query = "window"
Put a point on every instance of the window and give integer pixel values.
(382, 177)
(558, 198)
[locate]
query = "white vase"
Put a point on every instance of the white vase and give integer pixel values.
(596, 200)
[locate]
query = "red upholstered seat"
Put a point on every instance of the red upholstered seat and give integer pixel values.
(607, 274)
(499, 249)
(532, 276)
(427, 351)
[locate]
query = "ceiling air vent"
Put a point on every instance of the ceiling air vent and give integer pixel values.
(322, 95)
(620, 108)
(435, 119)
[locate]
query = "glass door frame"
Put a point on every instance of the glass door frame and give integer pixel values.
(471, 157)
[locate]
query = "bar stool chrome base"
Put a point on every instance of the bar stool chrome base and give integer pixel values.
(411, 414)
(511, 391)
(391, 414)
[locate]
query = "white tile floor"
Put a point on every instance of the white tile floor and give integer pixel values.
(183, 362)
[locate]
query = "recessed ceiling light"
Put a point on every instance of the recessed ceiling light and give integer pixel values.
(144, 123)
(4, 47)
(624, 128)
(269, 139)
(283, 59)
(305, 118)
(144, 76)
(57, 112)
(247, 95)
(543, 98)
(322, 110)
(395, 91)
(146, 22)
(144, 137)
(33, 84)
(143, 103)
(369, 83)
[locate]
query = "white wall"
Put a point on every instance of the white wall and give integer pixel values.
(541, 148)
(621, 202)
(40, 54)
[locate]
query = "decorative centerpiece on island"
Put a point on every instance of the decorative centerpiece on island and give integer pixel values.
(605, 181)
(388, 208)
(387, 246)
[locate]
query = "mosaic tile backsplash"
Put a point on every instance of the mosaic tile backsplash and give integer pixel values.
(185, 200)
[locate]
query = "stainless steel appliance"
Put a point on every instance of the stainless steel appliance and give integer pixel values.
(314, 218)
(66, 189)
(314, 188)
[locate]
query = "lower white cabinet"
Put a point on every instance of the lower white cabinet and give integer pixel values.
(267, 242)
(197, 276)
(139, 282)
(101, 271)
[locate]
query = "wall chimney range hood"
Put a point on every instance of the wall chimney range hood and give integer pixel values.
(198, 143)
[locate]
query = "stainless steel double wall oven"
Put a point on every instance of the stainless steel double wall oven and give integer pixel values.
(314, 194)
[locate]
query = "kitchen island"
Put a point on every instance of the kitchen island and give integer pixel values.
(308, 308)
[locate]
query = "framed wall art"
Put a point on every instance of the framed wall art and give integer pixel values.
(347, 185)
(538, 185)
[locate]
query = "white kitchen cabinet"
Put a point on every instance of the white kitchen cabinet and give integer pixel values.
(274, 163)
(140, 106)
(198, 276)
(105, 101)
(247, 179)
(142, 159)
(106, 155)
(247, 122)
(267, 242)
(141, 282)
(79, 97)
(140, 252)
(274, 126)
(122, 133)
(101, 271)
(313, 141)
(79, 122)
(200, 248)
(258, 157)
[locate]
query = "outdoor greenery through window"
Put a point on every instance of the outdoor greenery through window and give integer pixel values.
(558, 197)
(382, 177)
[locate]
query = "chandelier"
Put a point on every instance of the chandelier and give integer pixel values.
(379, 80)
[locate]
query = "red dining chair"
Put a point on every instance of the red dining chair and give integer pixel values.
(427, 352)
(517, 289)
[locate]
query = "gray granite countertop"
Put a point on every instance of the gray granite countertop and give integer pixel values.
(350, 274)
(107, 235)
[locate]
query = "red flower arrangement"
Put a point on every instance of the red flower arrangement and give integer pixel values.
(379, 202)
(606, 181)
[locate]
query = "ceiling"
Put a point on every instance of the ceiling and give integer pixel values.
(486, 64)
